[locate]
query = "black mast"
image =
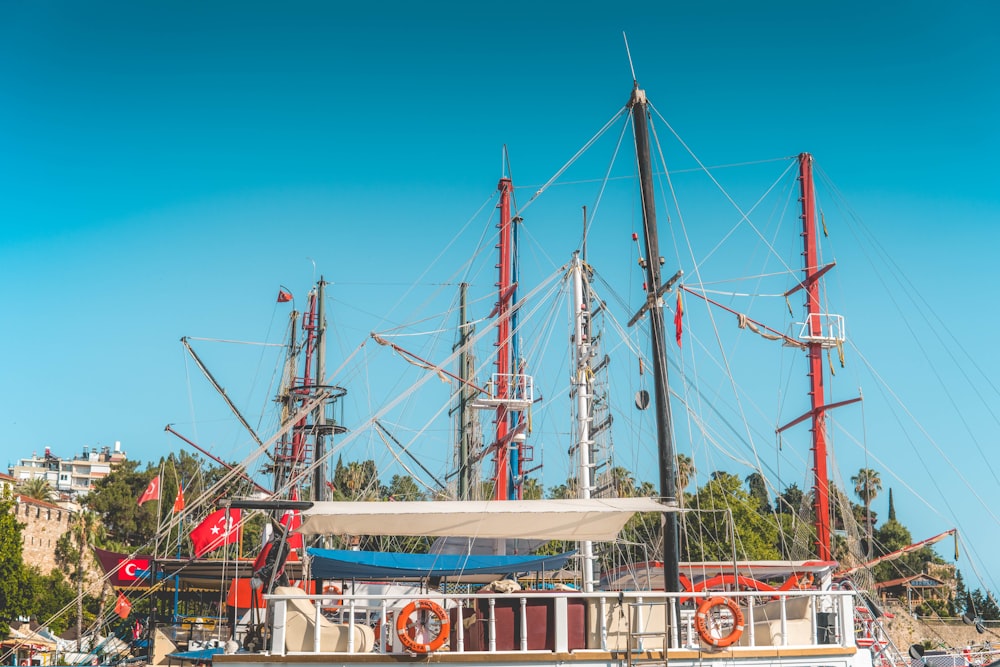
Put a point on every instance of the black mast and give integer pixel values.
(654, 295)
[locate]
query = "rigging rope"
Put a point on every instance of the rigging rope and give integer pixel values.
(744, 322)
(573, 159)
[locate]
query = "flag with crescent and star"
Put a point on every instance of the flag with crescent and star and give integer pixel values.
(219, 528)
(152, 491)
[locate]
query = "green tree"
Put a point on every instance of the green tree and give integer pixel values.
(15, 593)
(892, 536)
(790, 500)
(567, 490)
(355, 481)
(402, 487)
(38, 488)
(867, 485)
(983, 606)
(531, 489)
(758, 491)
(622, 482)
(86, 527)
(115, 498)
(50, 594)
(710, 533)
(126, 524)
(685, 471)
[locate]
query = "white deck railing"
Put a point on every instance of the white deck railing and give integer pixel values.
(609, 621)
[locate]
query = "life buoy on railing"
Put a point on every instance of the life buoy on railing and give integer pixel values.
(422, 626)
(332, 605)
(707, 625)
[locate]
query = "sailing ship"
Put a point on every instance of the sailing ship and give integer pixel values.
(746, 613)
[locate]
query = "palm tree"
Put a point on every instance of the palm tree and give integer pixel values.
(622, 482)
(867, 485)
(531, 490)
(38, 488)
(685, 471)
(358, 480)
(84, 530)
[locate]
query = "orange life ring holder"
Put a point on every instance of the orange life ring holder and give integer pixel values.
(404, 625)
(332, 605)
(701, 623)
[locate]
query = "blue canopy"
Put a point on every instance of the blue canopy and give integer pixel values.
(201, 655)
(341, 564)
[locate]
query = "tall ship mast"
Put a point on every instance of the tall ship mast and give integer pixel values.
(511, 391)
(819, 332)
(299, 467)
(654, 309)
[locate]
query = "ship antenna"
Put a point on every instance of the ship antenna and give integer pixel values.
(628, 53)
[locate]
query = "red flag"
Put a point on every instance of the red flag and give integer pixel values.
(284, 295)
(132, 569)
(179, 500)
(292, 520)
(678, 318)
(152, 491)
(123, 607)
(215, 531)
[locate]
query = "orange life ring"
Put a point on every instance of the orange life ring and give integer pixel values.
(411, 632)
(332, 605)
(701, 622)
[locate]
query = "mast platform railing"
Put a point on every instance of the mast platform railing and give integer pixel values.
(514, 391)
(829, 331)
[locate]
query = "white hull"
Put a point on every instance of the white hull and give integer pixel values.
(608, 629)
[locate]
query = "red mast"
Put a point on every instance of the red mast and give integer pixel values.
(814, 346)
(502, 389)
(302, 386)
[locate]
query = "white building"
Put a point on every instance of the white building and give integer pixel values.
(73, 476)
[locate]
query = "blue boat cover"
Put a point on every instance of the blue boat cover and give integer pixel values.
(341, 564)
(201, 655)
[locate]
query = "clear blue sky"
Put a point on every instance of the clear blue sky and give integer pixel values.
(165, 166)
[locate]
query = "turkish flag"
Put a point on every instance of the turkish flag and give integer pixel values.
(179, 500)
(215, 531)
(152, 491)
(284, 296)
(133, 568)
(123, 607)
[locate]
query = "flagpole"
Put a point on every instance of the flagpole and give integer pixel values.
(180, 535)
(159, 507)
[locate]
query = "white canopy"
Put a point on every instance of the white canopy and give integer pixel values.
(572, 519)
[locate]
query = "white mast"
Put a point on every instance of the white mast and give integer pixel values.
(582, 388)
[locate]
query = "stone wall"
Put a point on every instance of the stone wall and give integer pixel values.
(905, 630)
(44, 523)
